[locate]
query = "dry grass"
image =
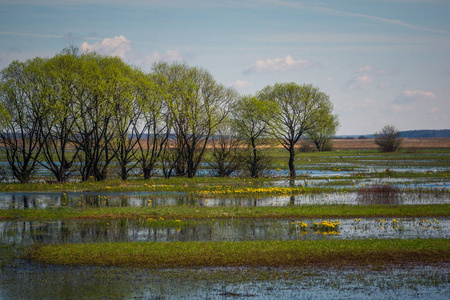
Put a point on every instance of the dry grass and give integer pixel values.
(413, 143)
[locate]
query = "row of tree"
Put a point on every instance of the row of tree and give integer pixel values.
(82, 112)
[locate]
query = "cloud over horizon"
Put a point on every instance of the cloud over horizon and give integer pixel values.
(279, 64)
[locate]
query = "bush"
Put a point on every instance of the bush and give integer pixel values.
(388, 139)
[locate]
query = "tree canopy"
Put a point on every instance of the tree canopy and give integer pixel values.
(86, 114)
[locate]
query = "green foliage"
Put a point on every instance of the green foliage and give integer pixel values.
(300, 109)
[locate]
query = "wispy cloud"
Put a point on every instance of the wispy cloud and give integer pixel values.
(279, 64)
(336, 12)
(409, 96)
(364, 77)
(52, 36)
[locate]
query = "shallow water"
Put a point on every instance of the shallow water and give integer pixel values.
(53, 232)
(33, 281)
(42, 200)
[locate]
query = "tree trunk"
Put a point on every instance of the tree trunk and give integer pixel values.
(292, 173)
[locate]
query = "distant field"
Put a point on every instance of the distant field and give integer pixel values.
(413, 143)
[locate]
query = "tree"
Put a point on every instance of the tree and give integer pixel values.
(388, 139)
(125, 117)
(323, 132)
(152, 133)
(250, 120)
(226, 153)
(197, 105)
(62, 74)
(300, 108)
(103, 86)
(23, 92)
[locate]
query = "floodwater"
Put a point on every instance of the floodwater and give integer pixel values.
(24, 233)
(32, 281)
(21, 279)
(47, 200)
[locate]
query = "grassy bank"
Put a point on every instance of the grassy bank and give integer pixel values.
(260, 253)
(220, 212)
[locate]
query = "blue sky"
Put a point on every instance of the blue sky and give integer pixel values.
(380, 61)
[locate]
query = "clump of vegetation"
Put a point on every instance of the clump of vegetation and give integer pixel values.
(388, 139)
(379, 194)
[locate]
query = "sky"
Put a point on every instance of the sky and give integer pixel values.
(380, 61)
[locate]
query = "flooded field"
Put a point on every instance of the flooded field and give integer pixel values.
(33, 281)
(336, 180)
(25, 233)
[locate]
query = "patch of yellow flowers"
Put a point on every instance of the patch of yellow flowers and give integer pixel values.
(324, 227)
(255, 190)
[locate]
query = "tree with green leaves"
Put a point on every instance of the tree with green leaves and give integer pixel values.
(196, 106)
(323, 132)
(152, 130)
(226, 152)
(299, 109)
(62, 74)
(250, 117)
(23, 96)
(104, 86)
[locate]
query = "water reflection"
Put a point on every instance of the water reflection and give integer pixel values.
(31, 232)
(143, 199)
(31, 281)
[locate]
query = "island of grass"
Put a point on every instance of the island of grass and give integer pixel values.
(255, 253)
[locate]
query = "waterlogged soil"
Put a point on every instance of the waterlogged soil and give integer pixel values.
(24, 233)
(33, 281)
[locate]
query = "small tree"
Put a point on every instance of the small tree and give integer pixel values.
(226, 152)
(323, 131)
(388, 139)
(250, 120)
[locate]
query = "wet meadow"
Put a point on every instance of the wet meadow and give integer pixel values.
(354, 223)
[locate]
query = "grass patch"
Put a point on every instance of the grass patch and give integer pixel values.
(221, 212)
(260, 253)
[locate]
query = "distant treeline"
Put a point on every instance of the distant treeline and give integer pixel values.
(423, 133)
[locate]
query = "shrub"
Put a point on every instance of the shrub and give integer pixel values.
(388, 139)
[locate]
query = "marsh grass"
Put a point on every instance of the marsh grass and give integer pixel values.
(221, 212)
(381, 194)
(259, 253)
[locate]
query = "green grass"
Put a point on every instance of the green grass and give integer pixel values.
(259, 253)
(220, 212)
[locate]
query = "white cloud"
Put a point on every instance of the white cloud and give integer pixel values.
(242, 84)
(419, 94)
(364, 77)
(116, 46)
(279, 64)
(409, 96)
(168, 56)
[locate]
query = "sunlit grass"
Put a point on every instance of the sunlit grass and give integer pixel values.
(255, 253)
(222, 212)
